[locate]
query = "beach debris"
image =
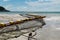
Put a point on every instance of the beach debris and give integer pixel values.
(17, 26)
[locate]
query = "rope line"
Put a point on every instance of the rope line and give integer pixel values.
(2, 25)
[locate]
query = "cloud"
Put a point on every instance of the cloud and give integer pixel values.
(42, 2)
(21, 8)
(5, 0)
(38, 5)
(9, 7)
(12, 7)
(47, 5)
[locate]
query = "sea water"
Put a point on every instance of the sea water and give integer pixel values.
(51, 31)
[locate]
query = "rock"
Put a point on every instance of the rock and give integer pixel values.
(2, 9)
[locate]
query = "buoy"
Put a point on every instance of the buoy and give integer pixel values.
(11, 22)
(2, 24)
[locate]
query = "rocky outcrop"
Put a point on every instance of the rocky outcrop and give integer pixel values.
(2, 9)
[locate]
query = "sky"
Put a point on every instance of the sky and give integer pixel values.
(31, 5)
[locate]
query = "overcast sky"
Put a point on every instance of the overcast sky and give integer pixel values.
(31, 5)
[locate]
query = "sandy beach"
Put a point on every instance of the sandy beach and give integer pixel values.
(51, 31)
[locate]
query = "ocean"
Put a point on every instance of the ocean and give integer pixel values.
(51, 31)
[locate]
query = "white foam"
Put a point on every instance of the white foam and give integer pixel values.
(53, 18)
